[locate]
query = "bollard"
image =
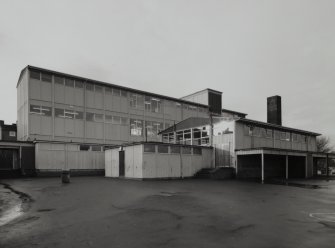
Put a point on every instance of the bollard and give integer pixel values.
(65, 176)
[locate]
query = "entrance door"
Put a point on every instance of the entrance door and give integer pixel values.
(7, 159)
(121, 164)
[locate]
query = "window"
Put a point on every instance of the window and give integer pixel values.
(89, 87)
(124, 93)
(109, 90)
(277, 134)
(59, 112)
(116, 92)
(136, 101)
(40, 110)
(197, 150)
(168, 138)
(59, 80)
(98, 89)
(149, 148)
(99, 117)
(136, 127)
(109, 118)
(268, 133)
(69, 82)
(84, 147)
(294, 137)
(96, 148)
(79, 84)
(186, 150)
(12, 133)
(124, 121)
(175, 149)
(116, 120)
(153, 127)
(35, 75)
(46, 77)
(89, 116)
(178, 105)
(163, 149)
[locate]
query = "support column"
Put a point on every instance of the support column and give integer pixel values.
(327, 166)
(306, 166)
(286, 167)
(262, 166)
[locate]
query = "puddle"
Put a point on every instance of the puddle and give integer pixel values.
(324, 217)
(17, 202)
(292, 184)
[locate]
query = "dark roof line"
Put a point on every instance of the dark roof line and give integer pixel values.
(216, 91)
(260, 123)
(110, 85)
(233, 112)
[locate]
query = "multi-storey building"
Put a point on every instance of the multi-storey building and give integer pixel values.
(55, 106)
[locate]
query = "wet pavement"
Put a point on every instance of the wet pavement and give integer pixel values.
(102, 212)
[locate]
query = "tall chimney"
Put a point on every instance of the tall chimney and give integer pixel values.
(274, 110)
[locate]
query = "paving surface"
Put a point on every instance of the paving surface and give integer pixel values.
(102, 212)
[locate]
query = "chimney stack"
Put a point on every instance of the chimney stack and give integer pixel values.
(274, 110)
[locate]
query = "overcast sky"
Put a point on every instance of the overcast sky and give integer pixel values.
(249, 50)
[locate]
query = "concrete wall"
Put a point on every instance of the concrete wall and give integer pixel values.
(56, 157)
(149, 165)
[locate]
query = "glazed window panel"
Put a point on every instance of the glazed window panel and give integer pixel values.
(175, 149)
(69, 82)
(79, 84)
(89, 116)
(186, 150)
(149, 148)
(116, 92)
(124, 121)
(108, 118)
(89, 87)
(269, 133)
(136, 127)
(35, 75)
(40, 110)
(109, 90)
(46, 77)
(98, 88)
(99, 117)
(59, 80)
(59, 113)
(197, 150)
(163, 149)
(116, 120)
(124, 93)
(96, 148)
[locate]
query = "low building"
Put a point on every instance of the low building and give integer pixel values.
(157, 160)
(16, 157)
(255, 149)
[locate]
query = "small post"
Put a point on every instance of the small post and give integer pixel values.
(327, 165)
(306, 166)
(286, 167)
(262, 166)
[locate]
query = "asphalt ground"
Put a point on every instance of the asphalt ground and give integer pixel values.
(104, 212)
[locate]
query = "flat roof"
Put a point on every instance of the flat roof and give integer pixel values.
(279, 127)
(207, 89)
(233, 112)
(154, 143)
(29, 67)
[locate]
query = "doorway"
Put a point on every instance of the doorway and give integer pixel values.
(121, 164)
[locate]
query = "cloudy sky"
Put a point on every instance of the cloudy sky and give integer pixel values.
(249, 50)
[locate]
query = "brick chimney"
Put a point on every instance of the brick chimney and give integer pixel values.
(274, 110)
